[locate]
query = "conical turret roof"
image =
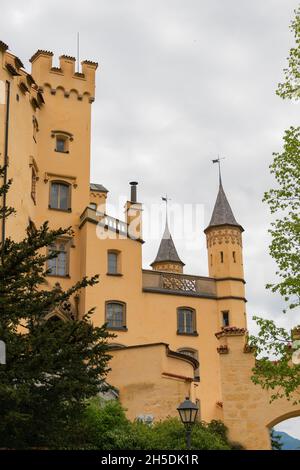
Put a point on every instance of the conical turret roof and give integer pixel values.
(167, 251)
(222, 213)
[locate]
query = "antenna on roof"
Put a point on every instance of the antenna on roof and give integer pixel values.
(78, 52)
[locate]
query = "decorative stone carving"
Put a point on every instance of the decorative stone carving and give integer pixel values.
(226, 235)
(178, 283)
(223, 349)
(231, 331)
(65, 311)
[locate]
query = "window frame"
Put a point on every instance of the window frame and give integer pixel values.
(34, 179)
(93, 206)
(66, 242)
(194, 322)
(222, 318)
(67, 137)
(124, 315)
(62, 138)
(62, 183)
(118, 264)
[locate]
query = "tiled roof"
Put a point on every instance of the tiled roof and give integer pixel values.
(98, 187)
(222, 213)
(167, 250)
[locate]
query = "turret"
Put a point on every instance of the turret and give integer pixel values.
(225, 262)
(167, 258)
(224, 240)
(63, 137)
(64, 77)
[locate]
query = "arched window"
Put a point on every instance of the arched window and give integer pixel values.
(115, 315)
(59, 266)
(60, 196)
(186, 321)
(193, 353)
(113, 262)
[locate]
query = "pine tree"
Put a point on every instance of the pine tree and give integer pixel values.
(52, 367)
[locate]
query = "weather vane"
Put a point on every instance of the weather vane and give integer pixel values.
(218, 161)
(166, 199)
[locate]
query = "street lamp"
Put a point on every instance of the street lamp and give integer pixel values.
(188, 412)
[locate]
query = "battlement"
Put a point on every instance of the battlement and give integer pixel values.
(15, 69)
(64, 77)
(3, 46)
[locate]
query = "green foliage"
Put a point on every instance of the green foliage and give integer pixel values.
(285, 232)
(51, 367)
(281, 376)
(105, 427)
(290, 88)
(278, 375)
(275, 440)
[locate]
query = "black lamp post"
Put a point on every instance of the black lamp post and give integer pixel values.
(188, 412)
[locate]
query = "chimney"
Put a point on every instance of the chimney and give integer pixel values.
(133, 214)
(133, 193)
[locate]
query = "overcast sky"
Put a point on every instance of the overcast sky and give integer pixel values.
(180, 81)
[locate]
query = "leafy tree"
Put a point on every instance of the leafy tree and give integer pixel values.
(52, 367)
(285, 231)
(105, 427)
(280, 375)
(290, 88)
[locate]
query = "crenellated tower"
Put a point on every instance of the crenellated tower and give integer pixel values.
(64, 135)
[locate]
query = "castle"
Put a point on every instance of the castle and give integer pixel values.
(177, 335)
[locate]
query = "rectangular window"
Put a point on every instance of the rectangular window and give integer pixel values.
(112, 262)
(186, 321)
(33, 184)
(59, 266)
(115, 315)
(60, 144)
(60, 196)
(234, 257)
(222, 256)
(225, 318)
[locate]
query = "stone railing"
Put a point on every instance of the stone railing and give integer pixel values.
(180, 284)
(104, 220)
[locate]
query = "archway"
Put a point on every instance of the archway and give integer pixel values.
(286, 433)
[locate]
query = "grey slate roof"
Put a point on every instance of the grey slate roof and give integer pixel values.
(167, 250)
(98, 187)
(222, 213)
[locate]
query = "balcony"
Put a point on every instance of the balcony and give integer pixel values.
(104, 220)
(178, 284)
